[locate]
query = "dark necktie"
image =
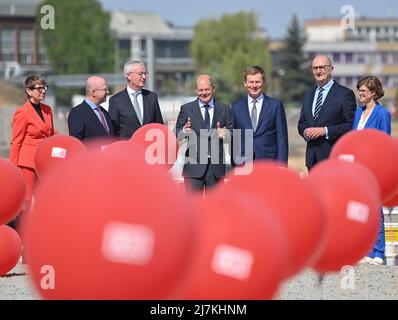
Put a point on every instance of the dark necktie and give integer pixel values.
(207, 125)
(102, 119)
(318, 104)
(207, 117)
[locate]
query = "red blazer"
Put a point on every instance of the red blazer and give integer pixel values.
(28, 130)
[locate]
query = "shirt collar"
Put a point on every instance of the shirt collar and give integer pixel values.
(91, 104)
(210, 104)
(328, 85)
(258, 99)
(131, 91)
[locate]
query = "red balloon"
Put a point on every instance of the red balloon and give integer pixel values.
(136, 149)
(115, 229)
(293, 202)
(159, 142)
(393, 202)
(352, 206)
(377, 151)
(239, 253)
(10, 249)
(12, 191)
(101, 143)
(55, 150)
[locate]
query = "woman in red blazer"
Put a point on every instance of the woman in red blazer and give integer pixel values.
(32, 123)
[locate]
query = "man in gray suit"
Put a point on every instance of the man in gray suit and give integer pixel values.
(134, 106)
(205, 123)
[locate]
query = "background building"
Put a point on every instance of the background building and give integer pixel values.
(21, 49)
(163, 47)
(371, 48)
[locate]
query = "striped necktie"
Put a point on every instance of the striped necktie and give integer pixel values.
(318, 104)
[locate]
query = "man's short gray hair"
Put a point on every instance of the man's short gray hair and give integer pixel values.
(129, 64)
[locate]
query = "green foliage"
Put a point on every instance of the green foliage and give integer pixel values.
(297, 77)
(224, 47)
(81, 41)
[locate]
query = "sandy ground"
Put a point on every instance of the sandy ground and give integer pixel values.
(363, 282)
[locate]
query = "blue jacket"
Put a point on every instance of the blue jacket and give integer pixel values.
(270, 139)
(379, 119)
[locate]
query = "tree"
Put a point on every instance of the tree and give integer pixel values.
(296, 77)
(81, 41)
(224, 47)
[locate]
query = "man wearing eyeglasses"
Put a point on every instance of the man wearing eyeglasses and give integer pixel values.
(327, 112)
(134, 107)
(89, 120)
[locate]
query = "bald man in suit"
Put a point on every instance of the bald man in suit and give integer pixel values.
(327, 112)
(89, 120)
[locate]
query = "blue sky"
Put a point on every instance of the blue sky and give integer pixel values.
(274, 16)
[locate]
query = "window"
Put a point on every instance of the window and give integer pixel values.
(43, 59)
(7, 36)
(336, 57)
(172, 49)
(384, 57)
(395, 58)
(349, 81)
(348, 57)
(26, 46)
(360, 58)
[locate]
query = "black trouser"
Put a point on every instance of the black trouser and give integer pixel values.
(208, 180)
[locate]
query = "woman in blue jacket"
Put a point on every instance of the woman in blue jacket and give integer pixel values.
(373, 115)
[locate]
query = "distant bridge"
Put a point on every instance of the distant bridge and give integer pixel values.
(75, 80)
(79, 80)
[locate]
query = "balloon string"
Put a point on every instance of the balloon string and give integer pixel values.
(321, 276)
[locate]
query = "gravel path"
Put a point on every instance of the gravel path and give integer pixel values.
(364, 282)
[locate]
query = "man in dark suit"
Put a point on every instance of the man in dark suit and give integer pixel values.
(89, 120)
(206, 124)
(134, 106)
(261, 121)
(327, 112)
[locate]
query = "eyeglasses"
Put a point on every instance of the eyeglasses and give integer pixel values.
(321, 68)
(106, 89)
(41, 88)
(140, 74)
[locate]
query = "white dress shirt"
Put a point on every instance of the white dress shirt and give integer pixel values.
(259, 104)
(139, 99)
